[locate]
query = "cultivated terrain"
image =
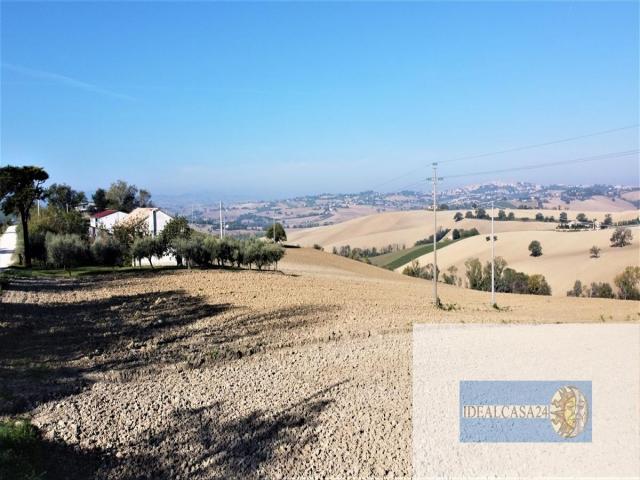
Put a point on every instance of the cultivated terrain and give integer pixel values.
(219, 373)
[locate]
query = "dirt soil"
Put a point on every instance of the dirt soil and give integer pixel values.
(220, 374)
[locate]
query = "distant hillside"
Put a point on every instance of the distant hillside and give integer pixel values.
(565, 256)
(405, 228)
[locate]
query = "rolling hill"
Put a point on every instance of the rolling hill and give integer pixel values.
(405, 228)
(565, 255)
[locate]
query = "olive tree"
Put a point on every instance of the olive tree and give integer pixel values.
(20, 187)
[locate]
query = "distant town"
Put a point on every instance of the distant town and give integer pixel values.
(330, 208)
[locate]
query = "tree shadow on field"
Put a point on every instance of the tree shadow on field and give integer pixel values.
(47, 349)
(201, 444)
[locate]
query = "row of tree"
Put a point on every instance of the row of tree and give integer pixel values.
(119, 196)
(627, 284)
(507, 280)
(65, 245)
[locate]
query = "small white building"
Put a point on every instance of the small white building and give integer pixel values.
(154, 218)
(105, 221)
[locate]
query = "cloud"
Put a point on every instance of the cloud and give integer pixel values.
(64, 80)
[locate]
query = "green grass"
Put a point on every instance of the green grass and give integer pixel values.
(20, 451)
(397, 259)
(80, 271)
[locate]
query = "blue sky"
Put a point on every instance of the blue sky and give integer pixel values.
(273, 99)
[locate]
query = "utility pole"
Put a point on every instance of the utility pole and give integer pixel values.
(493, 255)
(221, 227)
(435, 179)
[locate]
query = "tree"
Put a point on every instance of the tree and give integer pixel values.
(563, 217)
(581, 217)
(474, 273)
(537, 285)
(147, 247)
(280, 234)
(144, 199)
(63, 197)
(468, 214)
(65, 251)
(535, 248)
(511, 216)
(621, 237)
(122, 196)
(458, 216)
(126, 232)
(576, 291)
(607, 220)
(107, 251)
(481, 213)
(594, 251)
(600, 290)
(539, 217)
(627, 283)
(100, 199)
(502, 215)
(513, 281)
(19, 188)
(177, 227)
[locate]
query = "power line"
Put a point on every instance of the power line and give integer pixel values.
(606, 156)
(510, 150)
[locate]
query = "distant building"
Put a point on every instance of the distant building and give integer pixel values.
(154, 218)
(105, 221)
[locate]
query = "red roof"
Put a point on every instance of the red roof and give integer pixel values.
(104, 213)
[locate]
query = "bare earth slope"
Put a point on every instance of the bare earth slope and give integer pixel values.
(219, 374)
(405, 228)
(565, 256)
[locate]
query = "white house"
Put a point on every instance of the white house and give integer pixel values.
(154, 218)
(105, 220)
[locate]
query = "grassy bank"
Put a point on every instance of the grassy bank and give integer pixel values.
(17, 271)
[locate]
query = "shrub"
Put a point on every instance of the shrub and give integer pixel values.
(462, 233)
(415, 270)
(594, 251)
(458, 216)
(66, 251)
(535, 248)
(621, 237)
(600, 290)
(107, 251)
(318, 247)
(451, 277)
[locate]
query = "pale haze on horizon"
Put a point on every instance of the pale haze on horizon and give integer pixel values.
(264, 100)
